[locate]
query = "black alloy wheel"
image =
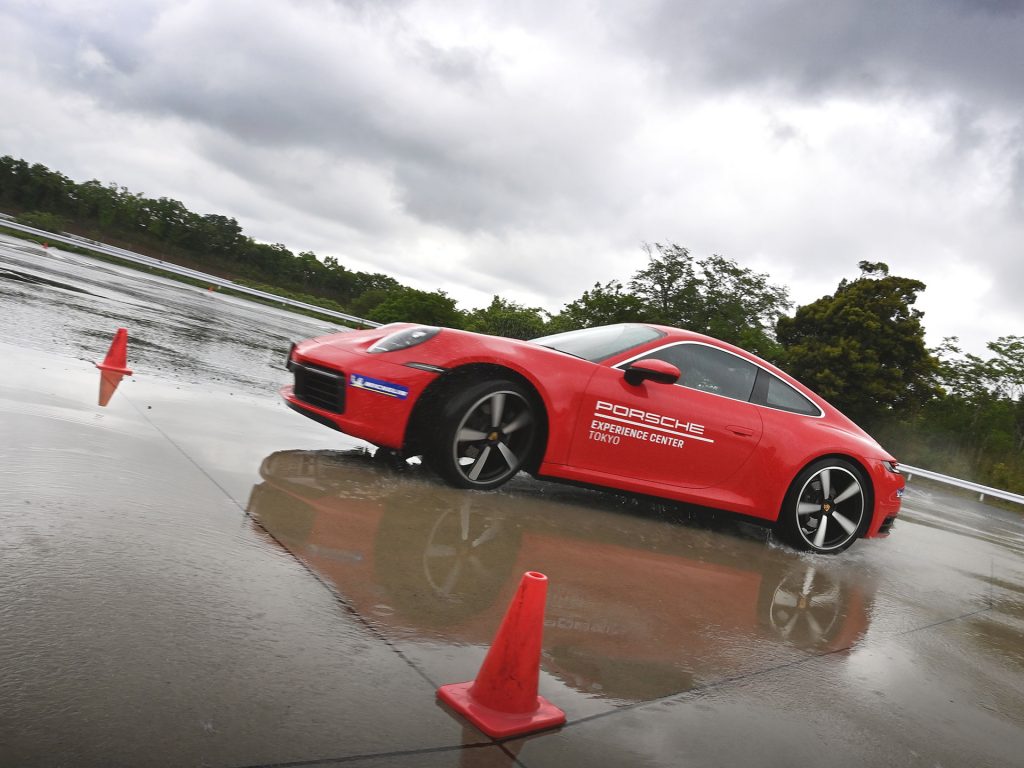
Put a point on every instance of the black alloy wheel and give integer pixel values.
(827, 507)
(487, 432)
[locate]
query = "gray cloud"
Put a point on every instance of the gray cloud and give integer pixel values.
(463, 149)
(529, 149)
(816, 47)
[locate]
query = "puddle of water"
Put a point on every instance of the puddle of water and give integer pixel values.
(638, 607)
(71, 305)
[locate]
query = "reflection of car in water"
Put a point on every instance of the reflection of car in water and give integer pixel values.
(638, 607)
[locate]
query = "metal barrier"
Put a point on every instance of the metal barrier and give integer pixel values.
(981, 490)
(166, 266)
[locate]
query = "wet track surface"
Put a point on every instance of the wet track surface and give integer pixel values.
(195, 575)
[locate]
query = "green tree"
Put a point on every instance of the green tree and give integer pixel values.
(862, 348)
(1007, 467)
(713, 295)
(993, 384)
(307, 271)
(1007, 366)
(506, 318)
(740, 306)
(169, 221)
(414, 306)
(976, 430)
(601, 305)
(34, 187)
(273, 262)
(215, 234)
(96, 204)
(668, 286)
(212, 241)
(375, 281)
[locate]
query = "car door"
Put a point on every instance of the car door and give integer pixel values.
(692, 434)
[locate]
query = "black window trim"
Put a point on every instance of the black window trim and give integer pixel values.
(759, 393)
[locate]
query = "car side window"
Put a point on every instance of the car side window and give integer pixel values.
(710, 370)
(783, 397)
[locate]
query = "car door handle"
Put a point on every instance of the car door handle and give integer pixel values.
(741, 431)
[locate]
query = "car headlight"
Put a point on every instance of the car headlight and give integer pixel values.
(405, 338)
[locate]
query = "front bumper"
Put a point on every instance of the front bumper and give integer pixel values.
(888, 499)
(362, 395)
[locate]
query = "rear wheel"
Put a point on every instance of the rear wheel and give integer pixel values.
(487, 432)
(826, 508)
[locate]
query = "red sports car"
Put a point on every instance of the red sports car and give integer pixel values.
(642, 408)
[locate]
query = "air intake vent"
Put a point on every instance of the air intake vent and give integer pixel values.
(319, 387)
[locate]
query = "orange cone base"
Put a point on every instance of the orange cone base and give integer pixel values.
(114, 369)
(500, 725)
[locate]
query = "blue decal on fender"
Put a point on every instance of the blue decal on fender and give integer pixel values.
(377, 385)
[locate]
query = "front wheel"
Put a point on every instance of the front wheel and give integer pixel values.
(827, 507)
(486, 433)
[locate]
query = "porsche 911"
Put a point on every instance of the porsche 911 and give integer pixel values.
(644, 409)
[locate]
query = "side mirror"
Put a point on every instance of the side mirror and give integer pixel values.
(651, 369)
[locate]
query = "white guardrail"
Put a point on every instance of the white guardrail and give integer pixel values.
(981, 490)
(166, 266)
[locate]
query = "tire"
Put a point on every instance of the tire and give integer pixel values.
(486, 434)
(827, 507)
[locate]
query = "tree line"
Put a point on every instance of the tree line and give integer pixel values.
(861, 347)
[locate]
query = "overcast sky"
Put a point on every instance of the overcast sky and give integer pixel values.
(528, 149)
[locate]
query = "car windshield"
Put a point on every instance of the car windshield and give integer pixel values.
(596, 344)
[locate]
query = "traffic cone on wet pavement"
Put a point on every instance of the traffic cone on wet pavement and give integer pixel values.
(503, 700)
(114, 366)
(116, 360)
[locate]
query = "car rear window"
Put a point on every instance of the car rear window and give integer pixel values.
(785, 398)
(596, 344)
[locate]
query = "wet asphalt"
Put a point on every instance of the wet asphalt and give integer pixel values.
(195, 575)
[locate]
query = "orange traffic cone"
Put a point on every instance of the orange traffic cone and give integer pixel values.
(503, 699)
(116, 360)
